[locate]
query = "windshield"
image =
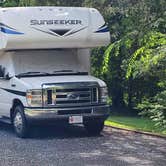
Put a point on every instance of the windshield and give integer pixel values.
(47, 62)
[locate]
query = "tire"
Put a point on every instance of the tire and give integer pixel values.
(94, 127)
(19, 122)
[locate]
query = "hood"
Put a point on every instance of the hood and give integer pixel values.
(36, 82)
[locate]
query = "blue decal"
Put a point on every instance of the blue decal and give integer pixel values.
(8, 31)
(104, 28)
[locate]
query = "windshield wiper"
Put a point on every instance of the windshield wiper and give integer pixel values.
(56, 72)
(32, 73)
(70, 72)
(63, 71)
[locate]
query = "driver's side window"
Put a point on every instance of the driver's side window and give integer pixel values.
(2, 71)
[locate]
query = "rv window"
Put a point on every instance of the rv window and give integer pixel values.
(2, 71)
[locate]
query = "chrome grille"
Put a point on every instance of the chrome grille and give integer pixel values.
(70, 94)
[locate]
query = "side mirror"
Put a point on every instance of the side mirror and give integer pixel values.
(2, 72)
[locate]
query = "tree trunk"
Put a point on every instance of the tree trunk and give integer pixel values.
(130, 91)
(117, 98)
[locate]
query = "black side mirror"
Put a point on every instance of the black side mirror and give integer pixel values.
(2, 72)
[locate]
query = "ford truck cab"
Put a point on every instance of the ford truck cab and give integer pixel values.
(45, 67)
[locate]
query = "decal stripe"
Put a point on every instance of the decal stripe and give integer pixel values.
(103, 26)
(75, 31)
(58, 35)
(102, 29)
(50, 33)
(8, 31)
(106, 29)
(20, 93)
(3, 25)
(60, 32)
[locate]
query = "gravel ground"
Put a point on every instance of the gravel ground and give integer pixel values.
(72, 146)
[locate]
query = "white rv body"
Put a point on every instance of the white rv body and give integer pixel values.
(45, 67)
(52, 27)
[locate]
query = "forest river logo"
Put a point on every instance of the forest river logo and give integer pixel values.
(55, 22)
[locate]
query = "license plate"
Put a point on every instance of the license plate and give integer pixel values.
(75, 119)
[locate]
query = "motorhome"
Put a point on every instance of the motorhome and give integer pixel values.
(45, 67)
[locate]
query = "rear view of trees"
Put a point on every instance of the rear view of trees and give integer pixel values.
(134, 64)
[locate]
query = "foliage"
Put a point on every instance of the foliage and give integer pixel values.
(148, 63)
(115, 65)
(97, 57)
(134, 65)
(155, 109)
(152, 48)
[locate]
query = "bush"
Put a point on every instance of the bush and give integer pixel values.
(155, 109)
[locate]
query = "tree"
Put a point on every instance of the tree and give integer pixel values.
(137, 20)
(147, 66)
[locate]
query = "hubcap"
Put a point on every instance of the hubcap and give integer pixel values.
(18, 123)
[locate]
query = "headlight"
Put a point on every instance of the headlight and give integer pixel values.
(34, 98)
(103, 94)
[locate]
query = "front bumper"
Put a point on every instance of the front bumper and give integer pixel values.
(52, 115)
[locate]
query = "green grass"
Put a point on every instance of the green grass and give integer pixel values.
(134, 123)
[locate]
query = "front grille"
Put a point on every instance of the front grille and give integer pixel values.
(70, 94)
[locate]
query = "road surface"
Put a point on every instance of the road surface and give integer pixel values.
(72, 146)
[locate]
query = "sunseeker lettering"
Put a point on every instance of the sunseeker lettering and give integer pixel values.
(55, 22)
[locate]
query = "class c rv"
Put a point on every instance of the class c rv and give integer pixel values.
(45, 67)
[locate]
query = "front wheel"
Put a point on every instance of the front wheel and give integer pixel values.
(94, 127)
(19, 122)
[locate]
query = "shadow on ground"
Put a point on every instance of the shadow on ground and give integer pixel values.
(50, 131)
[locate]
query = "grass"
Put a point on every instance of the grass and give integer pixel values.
(134, 123)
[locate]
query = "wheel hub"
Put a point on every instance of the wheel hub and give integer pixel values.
(18, 123)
